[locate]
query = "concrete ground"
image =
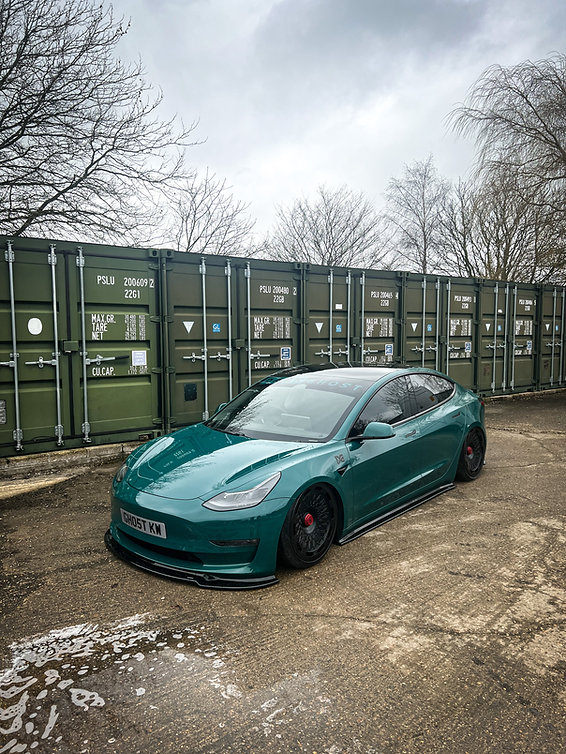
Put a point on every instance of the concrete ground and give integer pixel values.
(441, 631)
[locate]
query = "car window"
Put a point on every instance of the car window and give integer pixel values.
(429, 390)
(304, 407)
(391, 404)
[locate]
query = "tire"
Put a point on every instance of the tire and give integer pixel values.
(472, 456)
(309, 528)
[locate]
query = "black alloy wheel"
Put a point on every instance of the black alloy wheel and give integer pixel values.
(309, 528)
(472, 456)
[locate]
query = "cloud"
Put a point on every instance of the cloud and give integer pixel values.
(291, 94)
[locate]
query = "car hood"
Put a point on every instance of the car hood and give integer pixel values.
(199, 462)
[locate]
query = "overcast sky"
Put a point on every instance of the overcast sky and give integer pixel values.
(292, 94)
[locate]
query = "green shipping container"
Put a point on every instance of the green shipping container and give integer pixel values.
(102, 343)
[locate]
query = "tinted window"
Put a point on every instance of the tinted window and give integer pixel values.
(391, 404)
(429, 390)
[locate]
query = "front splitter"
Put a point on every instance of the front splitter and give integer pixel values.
(203, 580)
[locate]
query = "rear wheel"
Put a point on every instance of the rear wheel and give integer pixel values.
(309, 528)
(472, 456)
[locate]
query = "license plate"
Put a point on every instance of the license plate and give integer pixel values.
(155, 528)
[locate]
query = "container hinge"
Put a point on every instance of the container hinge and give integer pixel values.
(18, 436)
(80, 260)
(204, 415)
(59, 433)
(9, 255)
(52, 256)
(85, 429)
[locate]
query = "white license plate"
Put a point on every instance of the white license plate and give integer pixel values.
(155, 528)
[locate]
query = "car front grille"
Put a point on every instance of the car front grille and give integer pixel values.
(160, 550)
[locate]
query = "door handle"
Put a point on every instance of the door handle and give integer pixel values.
(411, 434)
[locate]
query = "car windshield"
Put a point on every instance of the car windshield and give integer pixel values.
(307, 408)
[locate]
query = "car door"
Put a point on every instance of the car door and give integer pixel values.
(439, 427)
(382, 472)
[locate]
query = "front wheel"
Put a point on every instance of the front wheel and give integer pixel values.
(309, 528)
(472, 456)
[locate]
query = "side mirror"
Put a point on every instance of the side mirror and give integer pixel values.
(219, 407)
(378, 431)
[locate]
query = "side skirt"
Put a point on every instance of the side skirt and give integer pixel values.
(391, 514)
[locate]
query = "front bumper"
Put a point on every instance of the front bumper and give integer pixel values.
(205, 580)
(232, 550)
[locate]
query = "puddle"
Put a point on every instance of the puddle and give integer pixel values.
(91, 688)
(69, 669)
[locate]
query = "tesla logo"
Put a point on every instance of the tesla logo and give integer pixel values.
(339, 459)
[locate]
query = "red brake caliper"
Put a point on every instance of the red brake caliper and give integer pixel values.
(309, 519)
(469, 451)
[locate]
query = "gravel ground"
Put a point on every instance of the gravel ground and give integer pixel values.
(441, 631)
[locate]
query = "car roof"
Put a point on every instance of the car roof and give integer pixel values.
(367, 374)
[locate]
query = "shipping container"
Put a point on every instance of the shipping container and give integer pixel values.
(103, 343)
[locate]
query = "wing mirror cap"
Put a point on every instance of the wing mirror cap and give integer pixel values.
(378, 431)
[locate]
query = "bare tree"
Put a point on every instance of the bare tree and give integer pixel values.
(491, 229)
(82, 147)
(518, 115)
(206, 218)
(414, 204)
(337, 228)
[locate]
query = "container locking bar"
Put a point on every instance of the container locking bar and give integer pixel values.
(202, 270)
(85, 427)
(18, 434)
(98, 359)
(194, 357)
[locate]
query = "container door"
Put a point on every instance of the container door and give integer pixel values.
(269, 321)
(459, 347)
(200, 308)
(328, 315)
(34, 369)
(422, 322)
(115, 344)
(378, 315)
(551, 339)
(522, 352)
(496, 338)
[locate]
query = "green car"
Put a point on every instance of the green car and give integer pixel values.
(302, 459)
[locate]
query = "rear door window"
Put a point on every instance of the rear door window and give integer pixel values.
(429, 390)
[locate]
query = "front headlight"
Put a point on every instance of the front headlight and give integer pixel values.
(121, 473)
(231, 501)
